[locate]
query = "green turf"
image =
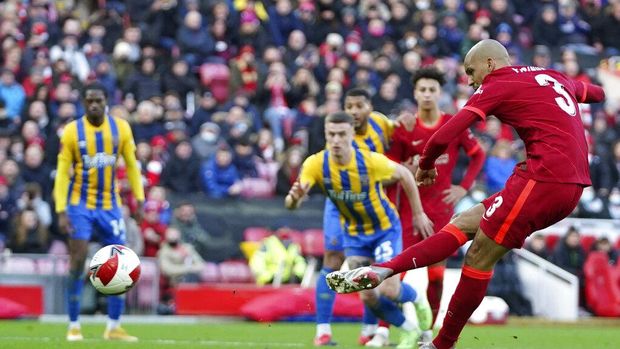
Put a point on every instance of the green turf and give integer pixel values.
(521, 335)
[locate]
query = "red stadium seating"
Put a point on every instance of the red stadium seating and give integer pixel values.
(216, 77)
(210, 273)
(313, 243)
(255, 233)
(551, 240)
(587, 241)
(602, 290)
(235, 271)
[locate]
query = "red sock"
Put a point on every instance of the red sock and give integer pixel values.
(429, 251)
(435, 288)
(383, 323)
(467, 297)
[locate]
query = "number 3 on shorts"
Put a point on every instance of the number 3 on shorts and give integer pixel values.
(496, 204)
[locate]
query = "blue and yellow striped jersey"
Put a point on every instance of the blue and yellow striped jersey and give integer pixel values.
(93, 152)
(378, 134)
(355, 188)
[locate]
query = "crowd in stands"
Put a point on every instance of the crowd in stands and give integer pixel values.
(227, 97)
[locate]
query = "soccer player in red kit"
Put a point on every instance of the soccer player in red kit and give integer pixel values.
(541, 105)
(439, 199)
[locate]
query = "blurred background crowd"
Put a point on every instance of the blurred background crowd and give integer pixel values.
(227, 97)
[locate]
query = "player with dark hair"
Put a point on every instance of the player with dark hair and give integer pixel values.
(373, 132)
(352, 179)
(541, 105)
(87, 197)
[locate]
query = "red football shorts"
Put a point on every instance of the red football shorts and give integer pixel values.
(439, 221)
(525, 206)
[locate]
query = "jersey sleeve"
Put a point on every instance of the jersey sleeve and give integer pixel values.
(66, 158)
(468, 142)
(387, 125)
(383, 167)
(587, 93)
(400, 149)
(310, 170)
(486, 98)
(128, 151)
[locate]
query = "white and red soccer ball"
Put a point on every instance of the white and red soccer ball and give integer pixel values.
(114, 269)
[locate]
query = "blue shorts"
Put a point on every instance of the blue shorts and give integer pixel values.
(107, 224)
(381, 246)
(332, 228)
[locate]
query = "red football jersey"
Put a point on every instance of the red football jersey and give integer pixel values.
(406, 144)
(541, 105)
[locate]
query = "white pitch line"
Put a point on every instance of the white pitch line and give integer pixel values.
(166, 342)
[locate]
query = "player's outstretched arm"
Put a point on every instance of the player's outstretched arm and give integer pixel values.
(133, 171)
(421, 223)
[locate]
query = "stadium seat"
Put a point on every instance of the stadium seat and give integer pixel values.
(601, 286)
(58, 248)
(232, 271)
(313, 243)
(255, 233)
(551, 240)
(296, 236)
(216, 77)
(587, 241)
(19, 265)
(210, 273)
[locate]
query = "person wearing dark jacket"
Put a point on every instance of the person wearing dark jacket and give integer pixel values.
(180, 173)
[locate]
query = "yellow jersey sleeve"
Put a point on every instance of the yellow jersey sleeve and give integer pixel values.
(311, 170)
(382, 167)
(66, 159)
(128, 151)
(386, 124)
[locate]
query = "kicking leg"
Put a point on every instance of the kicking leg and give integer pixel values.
(477, 271)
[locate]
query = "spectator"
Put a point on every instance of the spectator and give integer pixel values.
(607, 31)
(29, 235)
(146, 126)
(180, 80)
(34, 170)
(604, 245)
(282, 21)
(546, 29)
(205, 143)
(178, 260)
(152, 230)
(569, 255)
(13, 95)
(538, 246)
(144, 83)
(195, 43)
(32, 199)
(220, 177)
(244, 159)
(8, 209)
(288, 173)
(181, 172)
(499, 166)
(278, 260)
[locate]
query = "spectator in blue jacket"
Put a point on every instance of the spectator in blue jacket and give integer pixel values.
(220, 176)
(499, 166)
(12, 93)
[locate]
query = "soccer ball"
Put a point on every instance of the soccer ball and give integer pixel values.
(114, 269)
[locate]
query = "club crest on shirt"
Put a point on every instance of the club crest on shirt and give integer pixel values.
(479, 90)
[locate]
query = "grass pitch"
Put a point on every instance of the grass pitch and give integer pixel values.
(518, 334)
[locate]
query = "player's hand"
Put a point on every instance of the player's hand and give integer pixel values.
(406, 119)
(422, 225)
(453, 194)
(296, 193)
(425, 177)
(64, 223)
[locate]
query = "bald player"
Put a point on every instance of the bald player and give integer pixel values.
(541, 105)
